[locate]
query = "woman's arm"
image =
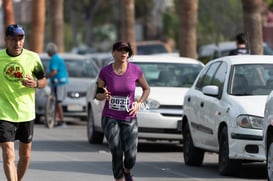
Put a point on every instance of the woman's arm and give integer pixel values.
(145, 87)
(145, 93)
(101, 92)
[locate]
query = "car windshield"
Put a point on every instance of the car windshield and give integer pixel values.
(170, 74)
(251, 79)
(81, 69)
(76, 68)
(151, 49)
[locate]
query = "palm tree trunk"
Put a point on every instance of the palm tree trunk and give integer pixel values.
(38, 26)
(7, 6)
(57, 23)
(253, 25)
(188, 23)
(128, 22)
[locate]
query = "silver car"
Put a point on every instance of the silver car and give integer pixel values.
(82, 72)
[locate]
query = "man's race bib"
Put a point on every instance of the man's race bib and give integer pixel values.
(119, 103)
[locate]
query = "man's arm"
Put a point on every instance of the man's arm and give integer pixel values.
(41, 83)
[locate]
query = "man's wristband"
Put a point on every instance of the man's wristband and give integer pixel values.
(37, 84)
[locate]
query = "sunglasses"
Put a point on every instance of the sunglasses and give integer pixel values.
(123, 49)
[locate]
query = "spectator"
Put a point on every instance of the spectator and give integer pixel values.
(58, 76)
(241, 47)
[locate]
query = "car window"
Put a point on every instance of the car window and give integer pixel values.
(219, 77)
(76, 68)
(207, 76)
(251, 79)
(170, 74)
(225, 52)
(80, 68)
(45, 62)
(151, 49)
(267, 50)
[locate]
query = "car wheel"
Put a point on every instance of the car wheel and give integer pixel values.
(226, 166)
(269, 162)
(50, 111)
(94, 137)
(192, 156)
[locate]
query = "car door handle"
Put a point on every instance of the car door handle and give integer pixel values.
(202, 104)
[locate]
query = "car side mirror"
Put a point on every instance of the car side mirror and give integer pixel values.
(211, 90)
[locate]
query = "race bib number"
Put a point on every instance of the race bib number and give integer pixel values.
(119, 103)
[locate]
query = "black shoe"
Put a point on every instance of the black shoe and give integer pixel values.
(60, 124)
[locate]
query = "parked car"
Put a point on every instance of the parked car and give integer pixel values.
(151, 47)
(82, 72)
(82, 50)
(268, 133)
(169, 79)
(101, 59)
(224, 111)
(213, 50)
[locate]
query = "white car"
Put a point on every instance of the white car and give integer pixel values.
(215, 50)
(169, 79)
(224, 111)
(268, 133)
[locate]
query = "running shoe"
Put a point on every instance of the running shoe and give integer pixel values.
(60, 124)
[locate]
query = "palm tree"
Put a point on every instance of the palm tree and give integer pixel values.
(57, 23)
(253, 25)
(128, 22)
(188, 23)
(38, 26)
(7, 6)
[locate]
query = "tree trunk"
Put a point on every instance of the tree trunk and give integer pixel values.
(7, 6)
(253, 25)
(57, 23)
(73, 21)
(188, 23)
(128, 22)
(90, 12)
(38, 26)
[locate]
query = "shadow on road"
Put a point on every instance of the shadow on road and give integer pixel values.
(159, 147)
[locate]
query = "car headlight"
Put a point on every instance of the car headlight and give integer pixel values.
(149, 104)
(247, 121)
(152, 104)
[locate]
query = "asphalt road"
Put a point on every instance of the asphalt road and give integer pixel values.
(63, 154)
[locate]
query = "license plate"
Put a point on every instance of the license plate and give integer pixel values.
(74, 107)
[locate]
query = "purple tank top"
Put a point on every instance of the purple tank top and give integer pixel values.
(122, 88)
